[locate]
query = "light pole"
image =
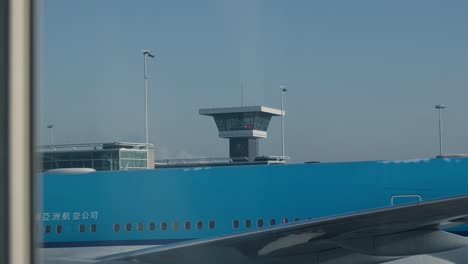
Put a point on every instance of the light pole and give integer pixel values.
(146, 53)
(283, 90)
(51, 133)
(440, 107)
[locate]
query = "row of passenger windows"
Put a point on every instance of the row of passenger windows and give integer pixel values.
(164, 226)
(139, 227)
(199, 225)
(261, 222)
(81, 228)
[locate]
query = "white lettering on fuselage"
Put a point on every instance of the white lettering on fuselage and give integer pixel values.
(67, 216)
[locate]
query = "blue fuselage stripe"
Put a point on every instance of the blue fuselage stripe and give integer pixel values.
(149, 242)
(104, 243)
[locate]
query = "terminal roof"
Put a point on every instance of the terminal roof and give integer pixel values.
(95, 146)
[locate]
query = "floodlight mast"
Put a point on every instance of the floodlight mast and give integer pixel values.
(51, 127)
(283, 89)
(146, 53)
(440, 107)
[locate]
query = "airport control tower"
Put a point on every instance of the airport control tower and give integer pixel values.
(243, 126)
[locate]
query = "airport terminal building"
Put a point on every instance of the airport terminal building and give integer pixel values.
(98, 156)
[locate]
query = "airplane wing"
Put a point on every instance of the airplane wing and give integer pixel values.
(374, 236)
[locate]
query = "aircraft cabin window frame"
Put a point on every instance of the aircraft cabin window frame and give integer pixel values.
(151, 226)
(82, 228)
(128, 227)
(187, 225)
(117, 228)
(211, 224)
(260, 223)
(235, 224)
(248, 223)
(140, 227)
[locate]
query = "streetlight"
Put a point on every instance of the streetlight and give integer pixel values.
(51, 133)
(283, 90)
(440, 107)
(146, 53)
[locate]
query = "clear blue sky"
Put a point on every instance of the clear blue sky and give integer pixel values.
(363, 76)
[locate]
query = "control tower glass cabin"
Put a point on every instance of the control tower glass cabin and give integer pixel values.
(243, 126)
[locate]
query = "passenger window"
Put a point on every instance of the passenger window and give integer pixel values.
(58, 229)
(47, 228)
(152, 226)
(211, 224)
(235, 224)
(284, 220)
(175, 225)
(116, 227)
(82, 228)
(140, 227)
(199, 225)
(248, 223)
(260, 222)
(163, 226)
(93, 228)
(272, 221)
(296, 219)
(128, 227)
(187, 225)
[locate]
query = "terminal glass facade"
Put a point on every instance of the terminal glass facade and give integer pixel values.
(133, 159)
(98, 160)
(108, 157)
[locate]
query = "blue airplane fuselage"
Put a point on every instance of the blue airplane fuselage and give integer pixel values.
(154, 207)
